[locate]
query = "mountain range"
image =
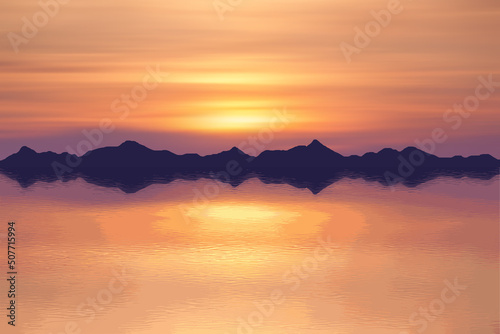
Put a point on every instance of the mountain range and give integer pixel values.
(131, 154)
(131, 167)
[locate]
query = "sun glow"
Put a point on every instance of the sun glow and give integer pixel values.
(227, 123)
(241, 216)
(236, 122)
(241, 212)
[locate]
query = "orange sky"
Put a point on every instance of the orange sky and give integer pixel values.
(225, 78)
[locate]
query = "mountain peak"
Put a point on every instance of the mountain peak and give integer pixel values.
(236, 150)
(130, 144)
(388, 150)
(317, 144)
(411, 149)
(26, 150)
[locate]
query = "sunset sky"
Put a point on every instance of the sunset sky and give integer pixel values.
(223, 80)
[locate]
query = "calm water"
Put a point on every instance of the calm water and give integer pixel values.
(355, 258)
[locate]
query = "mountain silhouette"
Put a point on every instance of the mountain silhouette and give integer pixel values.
(313, 155)
(28, 158)
(132, 166)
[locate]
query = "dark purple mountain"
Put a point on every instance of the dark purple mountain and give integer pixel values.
(28, 158)
(313, 155)
(132, 155)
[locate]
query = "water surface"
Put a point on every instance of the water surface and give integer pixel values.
(356, 258)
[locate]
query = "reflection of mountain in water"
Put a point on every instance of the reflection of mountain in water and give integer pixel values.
(131, 181)
(132, 167)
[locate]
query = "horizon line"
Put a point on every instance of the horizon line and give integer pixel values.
(260, 152)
